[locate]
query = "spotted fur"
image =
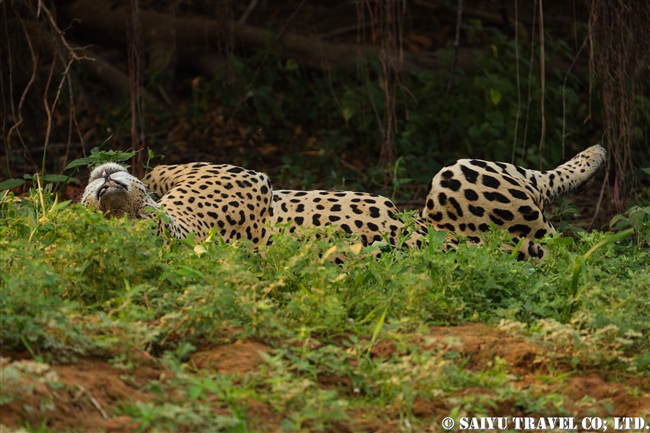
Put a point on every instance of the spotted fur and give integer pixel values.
(196, 197)
(464, 198)
(468, 196)
(371, 217)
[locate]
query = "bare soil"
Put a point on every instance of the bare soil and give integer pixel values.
(92, 389)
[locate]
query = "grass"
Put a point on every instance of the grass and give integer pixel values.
(346, 345)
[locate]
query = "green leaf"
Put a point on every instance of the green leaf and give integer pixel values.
(62, 205)
(59, 178)
(11, 183)
(609, 240)
(637, 219)
(98, 157)
(580, 264)
(79, 162)
(562, 241)
(194, 392)
(616, 219)
(517, 247)
(347, 113)
(495, 96)
(379, 325)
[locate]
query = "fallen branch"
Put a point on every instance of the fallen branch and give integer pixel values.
(105, 21)
(486, 17)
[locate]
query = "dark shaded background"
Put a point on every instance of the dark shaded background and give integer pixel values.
(368, 95)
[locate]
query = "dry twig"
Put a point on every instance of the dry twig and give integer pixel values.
(83, 391)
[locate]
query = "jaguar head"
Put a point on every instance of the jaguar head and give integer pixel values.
(113, 191)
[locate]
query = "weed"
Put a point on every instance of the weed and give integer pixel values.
(343, 339)
(580, 263)
(638, 218)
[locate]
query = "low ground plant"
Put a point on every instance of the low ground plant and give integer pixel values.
(341, 340)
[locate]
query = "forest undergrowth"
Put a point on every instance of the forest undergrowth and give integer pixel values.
(123, 330)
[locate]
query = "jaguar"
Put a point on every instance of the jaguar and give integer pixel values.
(195, 197)
(465, 198)
(470, 195)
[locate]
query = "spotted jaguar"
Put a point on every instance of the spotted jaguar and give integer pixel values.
(465, 198)
(468, 196)
(195, 198)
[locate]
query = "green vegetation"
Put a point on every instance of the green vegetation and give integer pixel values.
(343, 344)
(402, 340)
(492, 112)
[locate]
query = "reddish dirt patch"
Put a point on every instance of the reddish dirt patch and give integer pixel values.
(383, 349)
(257, 410)
(82, 396)
(92, 389)
(612, 391)
(239, 357)
(481, 343)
